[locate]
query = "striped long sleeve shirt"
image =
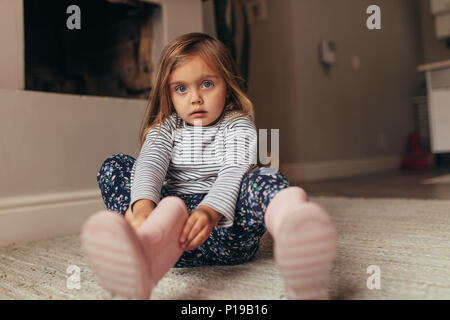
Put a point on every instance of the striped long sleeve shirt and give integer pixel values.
(193, 159)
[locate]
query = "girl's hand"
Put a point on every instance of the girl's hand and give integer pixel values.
(134, 220)
(196, 230)
(128, 215)
(137, 222)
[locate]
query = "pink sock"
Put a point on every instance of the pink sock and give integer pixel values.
(129, 264)
(305, 242)
(281, 204)
(160, 234)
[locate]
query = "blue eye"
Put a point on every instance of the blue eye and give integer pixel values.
(176, 89)
(208, 82)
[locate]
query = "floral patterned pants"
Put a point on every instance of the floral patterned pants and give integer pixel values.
(225, 246)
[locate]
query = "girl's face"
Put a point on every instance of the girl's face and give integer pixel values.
(197, 92)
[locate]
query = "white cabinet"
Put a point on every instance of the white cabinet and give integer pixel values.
(443, 26)
(441, 10)
(440, 6)
(440, 120)
(438, 84)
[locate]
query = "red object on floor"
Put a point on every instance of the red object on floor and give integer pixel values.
(416, 157)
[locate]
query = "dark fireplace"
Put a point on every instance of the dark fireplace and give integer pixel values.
(109, 56)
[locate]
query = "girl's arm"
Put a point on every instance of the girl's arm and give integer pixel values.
(240, 146)
(150, 168)
(215, 216)
(143, 207)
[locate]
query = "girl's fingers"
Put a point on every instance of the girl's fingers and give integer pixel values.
(137, 222)
(186, 230)
(196, 228)
(198, 239)
(128, 215)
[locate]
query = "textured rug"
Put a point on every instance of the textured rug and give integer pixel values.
(399, 248)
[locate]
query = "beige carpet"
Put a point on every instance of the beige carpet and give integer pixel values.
(409, 240)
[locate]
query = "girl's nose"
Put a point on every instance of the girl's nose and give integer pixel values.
(196, 98)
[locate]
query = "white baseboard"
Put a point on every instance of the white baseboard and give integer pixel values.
(32, 218)
(321, 170)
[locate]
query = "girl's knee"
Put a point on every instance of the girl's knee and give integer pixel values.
(110, 161)
(269, 174)
(117, 160)
(261, 185)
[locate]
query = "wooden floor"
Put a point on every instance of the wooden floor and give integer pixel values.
(395, 184)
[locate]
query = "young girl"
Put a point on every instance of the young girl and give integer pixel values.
(195, 196)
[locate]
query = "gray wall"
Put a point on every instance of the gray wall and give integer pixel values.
(341, 115)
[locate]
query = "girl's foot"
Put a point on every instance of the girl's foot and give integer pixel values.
(129, 264)
(304, 249)
(116, 256)
(160, 235)
(305, 242)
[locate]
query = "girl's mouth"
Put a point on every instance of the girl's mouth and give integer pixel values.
(199, 114)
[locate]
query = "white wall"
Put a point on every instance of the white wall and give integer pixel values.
(54, 142)
(325, 118)
(12, 67)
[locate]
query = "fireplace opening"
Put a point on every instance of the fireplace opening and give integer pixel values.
(111, 55)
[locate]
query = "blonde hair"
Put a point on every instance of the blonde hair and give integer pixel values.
(214, 52)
